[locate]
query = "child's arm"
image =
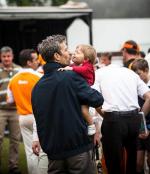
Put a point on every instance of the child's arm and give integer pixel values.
(67, 68)
(99, 110)
(82, 70)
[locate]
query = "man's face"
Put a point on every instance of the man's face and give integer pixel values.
(35, 62)
(124, 54)
(65, 54)
(143, 74)
(105, 60)
(7, 58)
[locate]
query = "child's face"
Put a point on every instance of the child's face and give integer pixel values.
(143, 74)
(78, 56)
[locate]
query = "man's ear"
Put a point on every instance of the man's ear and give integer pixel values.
(146, 70)
(29, 63)
(56, 57)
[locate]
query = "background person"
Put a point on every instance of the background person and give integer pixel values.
(130, 51)
(19, 91)
(8, 115)
(140, 66)
(105, 59)
(120, 88)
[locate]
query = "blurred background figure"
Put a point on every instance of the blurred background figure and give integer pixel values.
(105, 58)
(19, 91)
(8, 115)
(130, 51)
(142, 54)
(147, 57)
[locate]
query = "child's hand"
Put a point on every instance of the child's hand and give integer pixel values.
(67, 68)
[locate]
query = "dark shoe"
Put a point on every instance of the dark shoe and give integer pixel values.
(14, 171)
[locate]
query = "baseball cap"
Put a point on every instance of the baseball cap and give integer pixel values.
(131, 45)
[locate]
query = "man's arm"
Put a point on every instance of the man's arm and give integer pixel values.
(35, 144)
(10, 97)
(146, 106)
(86, 94)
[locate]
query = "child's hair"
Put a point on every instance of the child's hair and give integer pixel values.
(140, 64)
(89, 52)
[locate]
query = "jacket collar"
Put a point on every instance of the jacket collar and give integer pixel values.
(51, 66)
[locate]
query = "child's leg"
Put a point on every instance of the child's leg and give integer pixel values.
(89, 120)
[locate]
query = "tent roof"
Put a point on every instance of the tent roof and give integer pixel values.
(19, 13)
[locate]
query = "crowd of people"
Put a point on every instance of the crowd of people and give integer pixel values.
(47, 99)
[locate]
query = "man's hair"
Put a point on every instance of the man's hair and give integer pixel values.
(49, 46)
(6, 49)
(142, 54)
(89, 52)
(106, 54)
(25, 55)
(131, 47)
(139, 64)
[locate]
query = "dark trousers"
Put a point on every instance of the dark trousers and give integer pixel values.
(83, 163)
(120, 131)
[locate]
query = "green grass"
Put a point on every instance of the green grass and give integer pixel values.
(4, 158)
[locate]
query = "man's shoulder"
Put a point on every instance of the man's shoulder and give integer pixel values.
(1, 66)
(72, 75)
(16, 67)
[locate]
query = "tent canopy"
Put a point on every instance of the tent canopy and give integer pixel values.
(25, 27)
(20, 13)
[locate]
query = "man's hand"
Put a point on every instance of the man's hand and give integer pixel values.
(36, 147)
(143, 135)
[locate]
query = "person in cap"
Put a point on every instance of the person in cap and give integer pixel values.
(130, 51)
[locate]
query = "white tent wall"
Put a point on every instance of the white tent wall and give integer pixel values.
(110, 34)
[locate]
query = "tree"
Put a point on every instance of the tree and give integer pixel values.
(35, 2)
(58, 2)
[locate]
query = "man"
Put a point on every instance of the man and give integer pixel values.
(147, 57)
(130, 52)
(56, 102)
(19, 91)
(8, 115)
(105, 59)
(120, 88)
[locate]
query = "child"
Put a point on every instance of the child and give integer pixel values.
(83, 60)
(140, 66)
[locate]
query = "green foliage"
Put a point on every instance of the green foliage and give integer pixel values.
(26, 2)
(35, 2)
(58, 2)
